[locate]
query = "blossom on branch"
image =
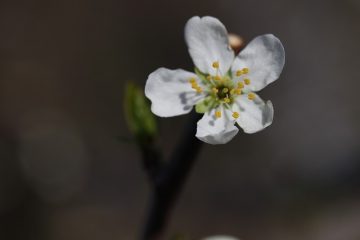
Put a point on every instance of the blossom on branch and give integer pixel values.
(223, 86)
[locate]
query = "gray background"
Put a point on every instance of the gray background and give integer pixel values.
(64, 174)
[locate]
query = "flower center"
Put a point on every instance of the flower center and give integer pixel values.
(222, 92)
(222, 89)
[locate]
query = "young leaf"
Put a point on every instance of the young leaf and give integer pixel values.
(140, 120)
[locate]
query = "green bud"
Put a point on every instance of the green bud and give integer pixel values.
(140, 120)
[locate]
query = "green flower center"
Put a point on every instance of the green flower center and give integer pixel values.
(220, 89)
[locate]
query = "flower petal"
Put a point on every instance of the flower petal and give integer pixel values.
(255, 115)
(264, 57)
(208, 42)
(214, 130)
(170, 92)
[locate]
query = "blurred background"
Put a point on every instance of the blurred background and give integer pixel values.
(64, 174)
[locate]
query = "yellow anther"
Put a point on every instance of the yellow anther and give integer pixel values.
(235, 114)
(215, 64)
(226, 100)
(194, 85)
(225, 90)
(198, 89)
(218, 114)
(251, 96)
(217, 78)
(192, 80)
(245, 70)
(247, 81)
(240, 85)
(238, 91)
(232, 91)
(239, 73)
(215, 90)
(208, 77)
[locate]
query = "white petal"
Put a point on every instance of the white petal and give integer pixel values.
(214, 130)
(221, 237)
(170, 92)
(255, 115)
(265, 58)
(208, 42)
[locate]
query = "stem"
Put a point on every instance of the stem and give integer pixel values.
(170, 179)
(151, 158)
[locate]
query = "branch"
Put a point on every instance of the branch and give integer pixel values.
(170, 179)
(152, 163)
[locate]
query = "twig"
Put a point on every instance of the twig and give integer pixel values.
(151, 158)
(170, 179)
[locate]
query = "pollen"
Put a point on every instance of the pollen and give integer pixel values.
(239, 73)
(226, 100)
(192, 80)
(245, 70)
(235, 115)
(238, 91)
(247, 81)
(218, 114)
(215, 65)
(251, 96)
(195, 86)
(240, 85)
(215, 90)
(217, 78)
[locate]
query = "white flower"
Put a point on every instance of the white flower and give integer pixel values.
(223, 86)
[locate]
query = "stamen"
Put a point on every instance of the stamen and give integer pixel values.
(247, 81)
(239, 73)
(238, 91)
(215, 65)
(226, 100)
(232, 91)
(240, 85)
(198, 89)
(194, 85)
(225, 90)
(215, 90)
(208, 77)
(217, 78)
(245, 70)
(235, 115)
(192, 80)
(251, 96)
(218, 114)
